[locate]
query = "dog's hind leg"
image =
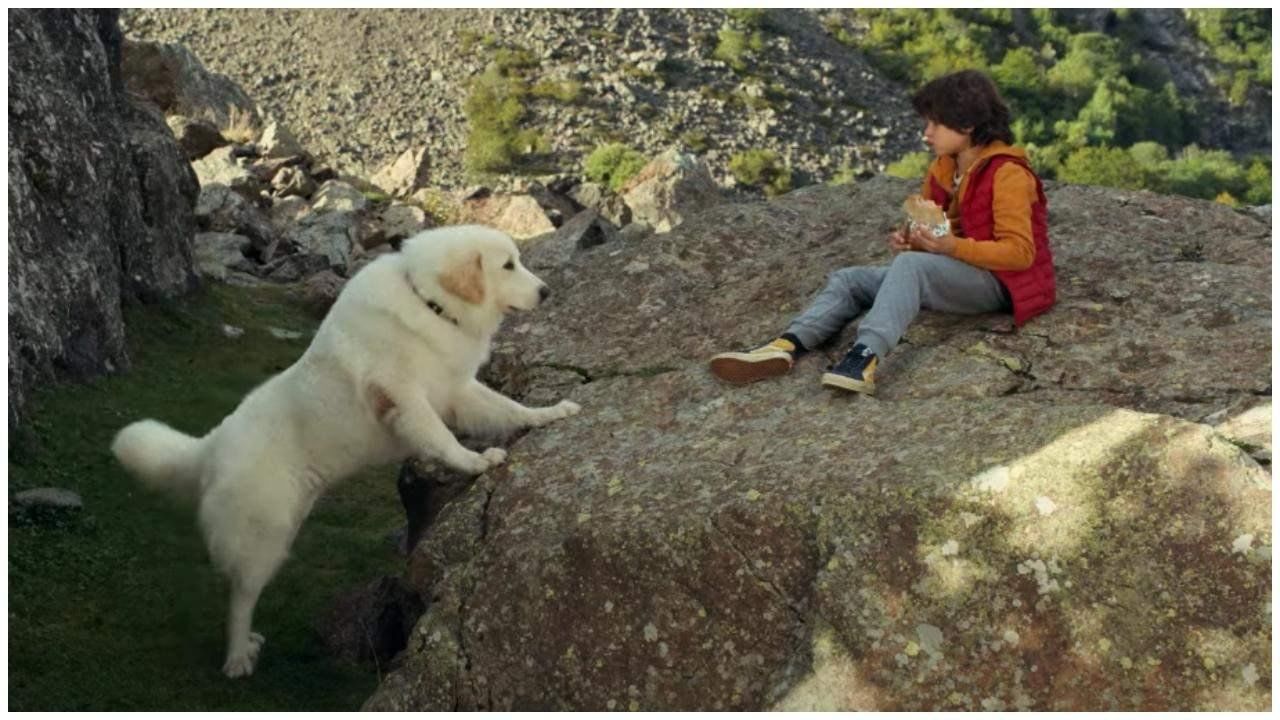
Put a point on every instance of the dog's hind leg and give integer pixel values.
(243, 644)
(479, 409)
(249, 548)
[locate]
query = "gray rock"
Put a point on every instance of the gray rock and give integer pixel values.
(335, 195)
(217, 251)
(48, 498)
(668, 189)
(393, 223)
(277, 142)
(197, 138)
(582, 232)
(371, 622)
(100, 201)
(295, 267)
(520, 216)
(173, 79)
(225, 166)
(407, 174)
(321, 290)
(635, 231)
(597, 196)
(290, 181)
(288, 210)
(1005, 498)
(330, 234)
(223, 210)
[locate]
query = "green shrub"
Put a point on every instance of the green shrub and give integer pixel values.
(912, 166)
(1204, 174)
(752, 18)
(565, 91)
(696, 141)
(845, 175)
(1111, 167)
(761, 169)
(494, 108)
(613, 164)
(1046, 160)
(1258, 178)
(735, 47)
(514, 60)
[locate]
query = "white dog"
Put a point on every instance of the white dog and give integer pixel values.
(392, 367)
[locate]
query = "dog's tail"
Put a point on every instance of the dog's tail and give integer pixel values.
(160, 457)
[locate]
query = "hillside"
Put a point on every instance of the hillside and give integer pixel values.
(827, 91)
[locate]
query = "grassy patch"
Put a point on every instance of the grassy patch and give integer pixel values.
(613, 164)
(761, 169)
(118, 607)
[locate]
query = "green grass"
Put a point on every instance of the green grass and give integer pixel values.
(118, 607)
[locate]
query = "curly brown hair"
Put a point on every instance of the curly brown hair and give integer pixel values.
(965, 99)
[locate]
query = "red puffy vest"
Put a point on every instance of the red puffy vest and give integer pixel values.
(1033, 290)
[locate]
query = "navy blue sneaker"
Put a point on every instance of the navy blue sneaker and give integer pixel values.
(856, 372)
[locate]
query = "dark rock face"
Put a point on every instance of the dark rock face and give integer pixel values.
(372, 622)
(100, 200)
(1037, 518)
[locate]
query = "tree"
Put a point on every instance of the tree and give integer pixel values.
(1111, 167)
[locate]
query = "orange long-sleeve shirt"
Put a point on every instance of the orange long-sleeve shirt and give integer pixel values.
(1014, 192)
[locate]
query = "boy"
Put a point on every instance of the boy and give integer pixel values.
(995, 259)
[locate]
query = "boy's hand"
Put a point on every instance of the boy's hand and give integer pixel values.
(927, 242)
(898, 241)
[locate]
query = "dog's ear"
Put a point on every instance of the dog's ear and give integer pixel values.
(465, 278)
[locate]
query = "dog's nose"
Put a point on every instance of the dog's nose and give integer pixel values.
(543, 292)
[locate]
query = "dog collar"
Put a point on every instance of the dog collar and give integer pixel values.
(432, 305)
(435, 307)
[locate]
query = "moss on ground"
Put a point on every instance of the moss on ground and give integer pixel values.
(117, 607)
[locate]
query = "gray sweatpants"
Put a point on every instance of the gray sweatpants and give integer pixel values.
(894, 295)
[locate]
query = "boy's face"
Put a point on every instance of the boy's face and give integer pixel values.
(944, 140)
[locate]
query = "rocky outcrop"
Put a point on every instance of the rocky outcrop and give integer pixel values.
(178, 84)
(100, 200)
(1041, 518)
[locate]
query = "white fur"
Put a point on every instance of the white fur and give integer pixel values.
(384, 379)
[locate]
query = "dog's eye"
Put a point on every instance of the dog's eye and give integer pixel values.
(511, 265)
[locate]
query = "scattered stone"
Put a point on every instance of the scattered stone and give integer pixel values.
(222, 167)
(335, 195)
(282, 334)
(48, 498)
(277, 142)
(197, 138)
(669, 189)
(321, 290)
(520, 216)
(217, 251)
(291, 181)
(407, 174)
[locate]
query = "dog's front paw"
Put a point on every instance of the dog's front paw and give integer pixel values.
(565, 408)
(494, 457)
(478, 463)
(559, 411)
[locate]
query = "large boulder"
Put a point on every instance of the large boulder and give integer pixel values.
(100, 200)
(520, 216)
(174, 80)
(669, 189)
(1021, 518)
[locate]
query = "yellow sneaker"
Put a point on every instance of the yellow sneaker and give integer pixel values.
(764, 362)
